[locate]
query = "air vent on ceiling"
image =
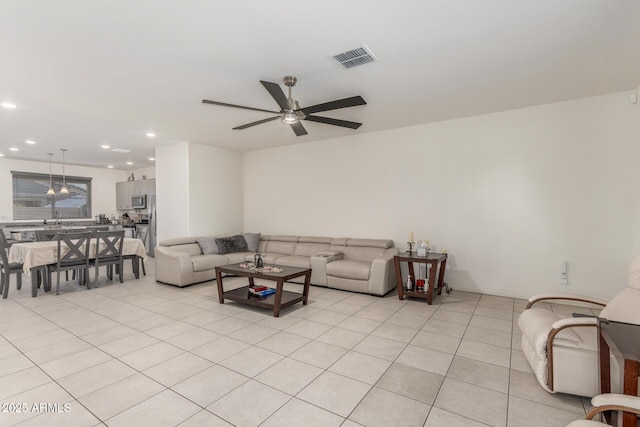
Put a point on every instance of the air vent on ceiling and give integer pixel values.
(120, 150)
(355, 57)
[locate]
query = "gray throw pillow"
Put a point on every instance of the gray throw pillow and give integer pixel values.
(227, 245)
(252, 239)
(208, 245)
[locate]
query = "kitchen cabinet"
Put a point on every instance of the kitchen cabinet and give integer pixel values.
(124, 191)
(145, 186)
(123, 195)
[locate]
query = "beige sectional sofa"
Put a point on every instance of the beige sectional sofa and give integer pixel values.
(360, 265)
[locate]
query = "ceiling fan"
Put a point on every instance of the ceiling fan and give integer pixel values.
(290, 112)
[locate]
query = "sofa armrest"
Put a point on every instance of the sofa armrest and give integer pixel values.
(382, 277)
(173, 267)
(319, 263)
(564, 297)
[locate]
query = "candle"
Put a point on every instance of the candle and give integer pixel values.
(427, 244)
(411, 237)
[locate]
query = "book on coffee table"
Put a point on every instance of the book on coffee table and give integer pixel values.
(261, 291)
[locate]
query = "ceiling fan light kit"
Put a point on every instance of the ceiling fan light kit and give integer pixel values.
(290, 112)
(289, 118)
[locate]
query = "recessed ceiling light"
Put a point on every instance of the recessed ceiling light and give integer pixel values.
(8, 105)
(110, 166)
(1, 155)
(153, 159)
(151, 134)
(28, 141)
(13, 149)
(105, 146)
(129, 163)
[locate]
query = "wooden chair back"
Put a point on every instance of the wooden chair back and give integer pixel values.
(46, 235)
(77, 248)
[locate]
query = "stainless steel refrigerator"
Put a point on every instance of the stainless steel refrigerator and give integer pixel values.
(147, 232)
(153, 225)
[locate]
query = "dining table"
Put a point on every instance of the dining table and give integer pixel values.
(35, 255)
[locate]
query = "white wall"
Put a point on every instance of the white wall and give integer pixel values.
(198, 190)
(215, 189)
(103, 184)
(172, 190)
(509, 195)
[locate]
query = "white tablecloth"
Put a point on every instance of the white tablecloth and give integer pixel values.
(35, 254)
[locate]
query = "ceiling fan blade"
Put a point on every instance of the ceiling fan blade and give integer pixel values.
(334, 105)
(335, 122)
(299, 129)
(276, 92)
(224, 104)
(248, 125)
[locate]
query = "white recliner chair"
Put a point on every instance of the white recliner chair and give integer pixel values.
(608, 402)
(563, 351)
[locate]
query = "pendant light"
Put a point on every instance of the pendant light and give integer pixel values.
(51, 192)
(63, 190)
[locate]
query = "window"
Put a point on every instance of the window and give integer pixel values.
(30, 200)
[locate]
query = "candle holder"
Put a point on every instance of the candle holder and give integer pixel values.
(411, 246)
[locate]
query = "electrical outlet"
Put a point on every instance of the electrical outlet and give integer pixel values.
(563, 272)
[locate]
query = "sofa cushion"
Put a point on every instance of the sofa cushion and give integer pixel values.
(295, 261)
(349, 269)
(371, 243)
(362, 253)
(310, 249)
(623, 307)
(278, 247)
(252, 239)
(237, 257)
(339, 241)
(189, 248)
(284, 238)
(314, 239)
(208, 245)
(208, 262)
(227, 245)
(536, 323)
(634, 273)
(270, 257)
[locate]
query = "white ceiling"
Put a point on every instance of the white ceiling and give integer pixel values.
(86, 73)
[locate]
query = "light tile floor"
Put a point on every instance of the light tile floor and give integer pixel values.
(148, 354)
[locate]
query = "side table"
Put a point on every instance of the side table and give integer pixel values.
(437, 261)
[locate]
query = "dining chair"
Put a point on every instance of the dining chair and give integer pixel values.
(46, 235)
(7, 269)
(141, 233)
(109, 252)
(73, 254)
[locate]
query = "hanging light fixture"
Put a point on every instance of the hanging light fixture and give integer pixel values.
(51, 192)
(63, 190)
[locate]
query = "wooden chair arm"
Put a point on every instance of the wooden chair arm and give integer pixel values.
(564, 297)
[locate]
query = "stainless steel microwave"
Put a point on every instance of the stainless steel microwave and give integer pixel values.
(139, 201)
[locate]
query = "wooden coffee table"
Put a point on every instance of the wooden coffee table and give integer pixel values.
(275, 302)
